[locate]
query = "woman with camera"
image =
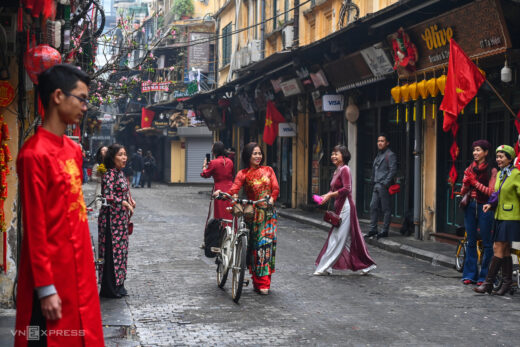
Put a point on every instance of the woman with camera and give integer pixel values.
(345, 247)
(113, 222)
(506, 202)
(221, 169)
(259, 181)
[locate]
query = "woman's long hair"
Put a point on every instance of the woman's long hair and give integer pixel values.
(247, 152)
(111, 155)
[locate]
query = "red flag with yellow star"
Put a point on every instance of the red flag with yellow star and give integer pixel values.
(272, 118)
(146, 118)
(462, 83)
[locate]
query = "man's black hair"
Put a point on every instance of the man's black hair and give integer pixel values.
(383, 135)
(60, 76)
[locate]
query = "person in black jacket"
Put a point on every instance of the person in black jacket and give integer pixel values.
(383, 173)
(149, 169)
(137, 166)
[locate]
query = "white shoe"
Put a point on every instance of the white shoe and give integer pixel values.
(316, 273)
(365, 271)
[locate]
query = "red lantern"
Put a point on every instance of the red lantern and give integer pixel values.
(39, 59)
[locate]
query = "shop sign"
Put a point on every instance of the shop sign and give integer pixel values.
(291, 87)
(147, 87)
(478, 27)
(286, 129)
(377, 61)
(160, 124)
(198, 54)
(332, 103)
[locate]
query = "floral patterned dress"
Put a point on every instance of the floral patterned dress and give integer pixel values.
(257, 184)
(113, 222)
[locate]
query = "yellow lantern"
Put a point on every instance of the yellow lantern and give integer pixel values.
(405, 94)
(441, 83)
(433, 90)
(396, 94)
(423, 92)
(414, 94)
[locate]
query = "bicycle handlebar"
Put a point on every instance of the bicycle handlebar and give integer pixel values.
(226, 196)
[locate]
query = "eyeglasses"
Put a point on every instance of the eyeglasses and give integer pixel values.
(83, 100)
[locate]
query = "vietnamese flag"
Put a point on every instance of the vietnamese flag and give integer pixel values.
(146, 118)
(462, 83)
(272, 118)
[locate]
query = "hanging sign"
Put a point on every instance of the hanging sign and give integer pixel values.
(154, 87)
(6, 93)
(291, 87)
(332, 102)
(286, 129)
(479, 35)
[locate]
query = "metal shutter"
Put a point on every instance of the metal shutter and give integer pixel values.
(196, 149)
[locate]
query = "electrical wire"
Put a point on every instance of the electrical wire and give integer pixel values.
(238, 31)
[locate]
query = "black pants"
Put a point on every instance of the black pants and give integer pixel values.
(380, 197)
(109, 289)
(147, 179)
(39, 323)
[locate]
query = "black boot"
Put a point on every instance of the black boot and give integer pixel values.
(487, 286)
(507, 275)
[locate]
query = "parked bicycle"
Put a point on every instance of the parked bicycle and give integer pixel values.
(232, 253)
(460, 255)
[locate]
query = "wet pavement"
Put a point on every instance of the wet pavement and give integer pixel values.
(174, 299)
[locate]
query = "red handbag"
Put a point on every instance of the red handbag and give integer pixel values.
(332, 218)
(130, 228)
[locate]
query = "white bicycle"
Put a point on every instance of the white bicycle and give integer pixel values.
(233, 248)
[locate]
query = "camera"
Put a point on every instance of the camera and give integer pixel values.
(208, 158)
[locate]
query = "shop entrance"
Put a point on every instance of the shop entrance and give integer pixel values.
(372, 122)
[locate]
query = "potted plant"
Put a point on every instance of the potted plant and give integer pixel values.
(183, 9)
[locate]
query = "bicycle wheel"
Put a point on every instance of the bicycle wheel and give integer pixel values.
(222, 272)
(460, 256)
(239, 268)
(223, 258)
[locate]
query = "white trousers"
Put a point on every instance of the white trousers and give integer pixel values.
(338, 240)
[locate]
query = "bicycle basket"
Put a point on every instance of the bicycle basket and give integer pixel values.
(247, 211)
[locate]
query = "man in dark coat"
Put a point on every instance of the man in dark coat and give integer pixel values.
(383, 173)
(138, 167)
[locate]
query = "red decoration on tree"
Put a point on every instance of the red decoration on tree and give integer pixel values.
(6, 93)
(40, 58)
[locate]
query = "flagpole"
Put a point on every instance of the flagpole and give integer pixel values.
(501, 99)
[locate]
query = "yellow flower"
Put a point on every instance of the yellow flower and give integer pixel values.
(102, 169)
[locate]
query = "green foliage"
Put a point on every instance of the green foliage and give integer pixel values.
(183, 8)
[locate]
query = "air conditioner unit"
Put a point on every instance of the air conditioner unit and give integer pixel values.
(255, 50)
(238, 62)
(244, 57)
(287, 37)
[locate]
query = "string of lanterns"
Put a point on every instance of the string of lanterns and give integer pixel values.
(403, 94)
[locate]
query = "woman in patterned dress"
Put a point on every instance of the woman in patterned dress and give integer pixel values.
(258, 182)
(113, 223)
